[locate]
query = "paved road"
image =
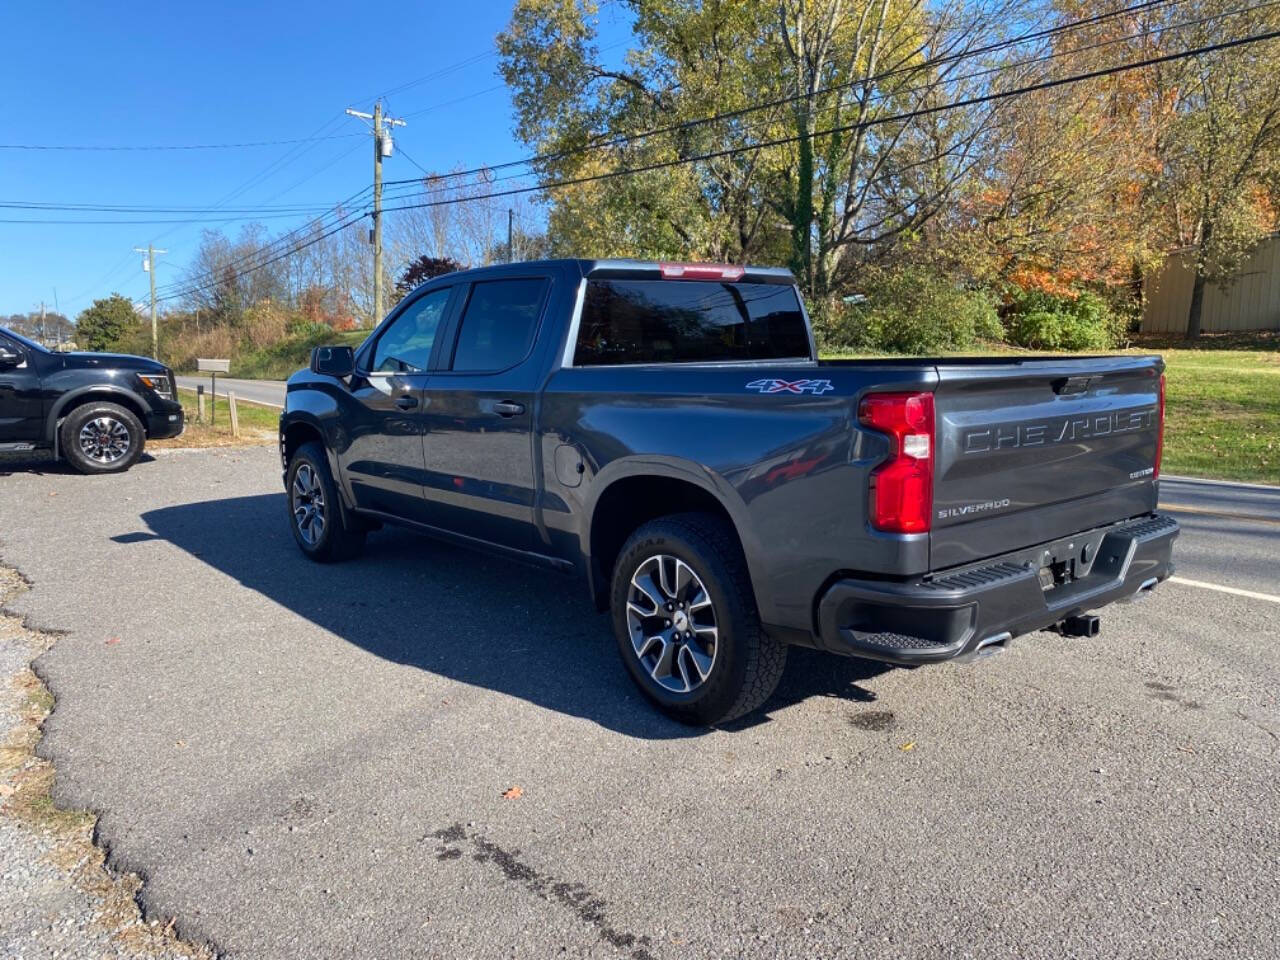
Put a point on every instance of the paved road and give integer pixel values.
(269, 392)
(308, 760)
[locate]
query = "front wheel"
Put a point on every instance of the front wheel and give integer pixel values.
(101, 437)
(685, 619)
(320, 525)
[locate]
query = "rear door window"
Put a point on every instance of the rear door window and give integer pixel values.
(684, 321)
(499, 323)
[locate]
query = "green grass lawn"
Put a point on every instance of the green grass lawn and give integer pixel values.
(1222, 414)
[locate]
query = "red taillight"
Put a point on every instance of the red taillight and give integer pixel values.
(901, 487)
(701, 271)
(1160, 431)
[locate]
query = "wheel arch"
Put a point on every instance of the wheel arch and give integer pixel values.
(67, 403)
(303, 426)
(297, 432)
(628, 494)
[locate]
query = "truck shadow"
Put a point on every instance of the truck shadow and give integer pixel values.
(43, 464)
(480, 620)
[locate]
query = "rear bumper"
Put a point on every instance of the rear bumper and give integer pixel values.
(962, 610)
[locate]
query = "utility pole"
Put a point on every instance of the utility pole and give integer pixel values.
(382, 147)
(511, 250)
(149, 265)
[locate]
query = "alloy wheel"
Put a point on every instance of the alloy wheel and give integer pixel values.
(672, 623)
(104, 439)
(307, 498)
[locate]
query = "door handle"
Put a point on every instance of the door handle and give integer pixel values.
(506, 408)
(406, 402)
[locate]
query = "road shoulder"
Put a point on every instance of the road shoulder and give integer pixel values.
(58, 897)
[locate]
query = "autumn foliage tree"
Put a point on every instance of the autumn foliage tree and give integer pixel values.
(421, 269)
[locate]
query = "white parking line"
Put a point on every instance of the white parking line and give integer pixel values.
(1269, 487)
(1221, 589)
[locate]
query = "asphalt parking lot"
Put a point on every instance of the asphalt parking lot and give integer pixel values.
(310, 761)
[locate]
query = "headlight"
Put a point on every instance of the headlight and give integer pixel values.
(158, 383)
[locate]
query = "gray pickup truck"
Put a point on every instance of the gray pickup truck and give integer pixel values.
(667, 432)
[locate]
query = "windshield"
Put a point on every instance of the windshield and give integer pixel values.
(22, 340)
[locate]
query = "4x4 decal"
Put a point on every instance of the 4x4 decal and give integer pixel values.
(816, 387)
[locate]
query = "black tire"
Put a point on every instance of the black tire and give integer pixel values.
(746, 664)
(338, 535)
(101, 437)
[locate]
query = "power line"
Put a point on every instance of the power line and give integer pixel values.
(908, 115)
(157, 222)
(284, 240)
(336, 212)
(914, 114)
(314, 208)
(299, 247)
(876, 121)
(782, 101)
(138, 208)
(461, 99)
(183, 146)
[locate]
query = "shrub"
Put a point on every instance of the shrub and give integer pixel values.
(281, 359)
(1047, 321)
(265, 324)
(910, 310)
(182, 351)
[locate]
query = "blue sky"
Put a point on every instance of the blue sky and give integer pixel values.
(150, 74)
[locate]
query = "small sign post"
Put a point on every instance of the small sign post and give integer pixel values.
(213, 368)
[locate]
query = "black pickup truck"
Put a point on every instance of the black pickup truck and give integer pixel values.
(94, 410)
(667, 432)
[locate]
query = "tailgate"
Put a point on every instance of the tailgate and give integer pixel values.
(1032, 450)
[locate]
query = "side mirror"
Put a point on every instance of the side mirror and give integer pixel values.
(333, 361)
(9, 358)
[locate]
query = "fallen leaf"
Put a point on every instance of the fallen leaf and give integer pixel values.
(515, 793)
(908, 746)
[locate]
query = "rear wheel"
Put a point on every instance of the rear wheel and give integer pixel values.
(686, 622)
(101, 437)
(321, 527)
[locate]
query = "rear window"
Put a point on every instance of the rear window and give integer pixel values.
(684, 321)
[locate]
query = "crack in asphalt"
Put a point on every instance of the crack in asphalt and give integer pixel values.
(588, 906)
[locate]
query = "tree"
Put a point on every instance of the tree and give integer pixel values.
(422, 269)
(690, 59)
(107, 323)
(47, 327)
(826, 154)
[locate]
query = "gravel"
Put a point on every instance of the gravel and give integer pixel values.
(55, 898)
